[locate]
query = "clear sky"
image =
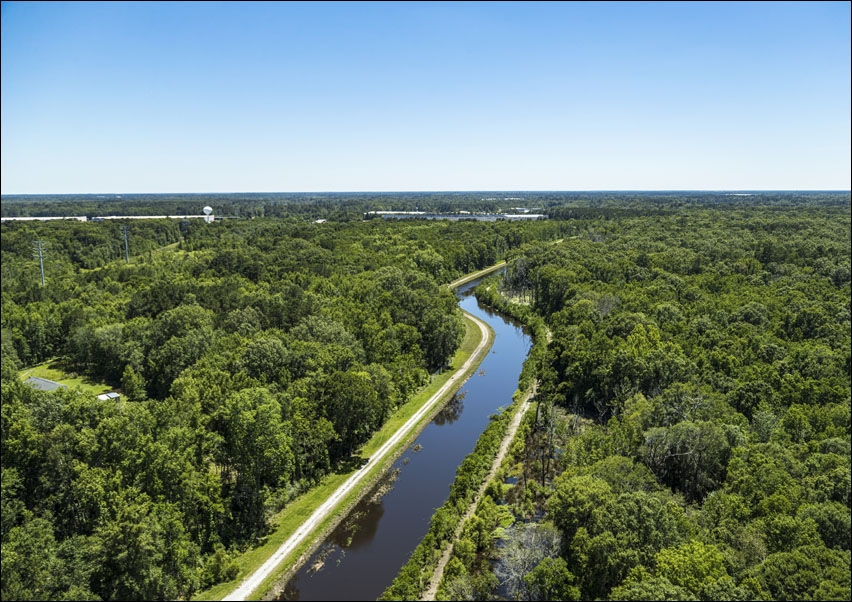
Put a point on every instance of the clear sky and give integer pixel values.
(408, 96)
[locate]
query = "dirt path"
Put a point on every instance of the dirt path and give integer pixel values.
(465, 279)
(253, 581)
(498, 460)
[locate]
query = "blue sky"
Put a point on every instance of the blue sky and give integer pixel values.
(409, 96)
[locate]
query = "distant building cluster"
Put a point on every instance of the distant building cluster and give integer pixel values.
(208, 217)
(79, 218)
(481, 217)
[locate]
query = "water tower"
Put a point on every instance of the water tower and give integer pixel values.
(208, 214)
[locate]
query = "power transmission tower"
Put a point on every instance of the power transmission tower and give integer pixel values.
(126, 252)
(39, 252)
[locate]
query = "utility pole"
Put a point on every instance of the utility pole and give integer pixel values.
(38, 251)
(126, 252)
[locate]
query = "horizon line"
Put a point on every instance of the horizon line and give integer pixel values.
(446, 191)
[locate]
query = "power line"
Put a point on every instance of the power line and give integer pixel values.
(39, 252)
(126, 251)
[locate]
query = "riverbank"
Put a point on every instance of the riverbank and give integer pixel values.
(301, 527)
(508, 439)
(420, 578)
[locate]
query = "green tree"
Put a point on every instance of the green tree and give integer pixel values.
(143, 553)
(132, 384)
(551, 580)
(640, 585)
(265, 359)
(256, 454)
(693, 565)
(808, 573)
(573, 501)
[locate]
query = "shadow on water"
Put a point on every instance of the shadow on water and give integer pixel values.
(357, 529)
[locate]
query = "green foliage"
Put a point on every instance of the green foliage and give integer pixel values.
(807, 573)
(693, 566)
(253, 358)
(132, 384)
(575, 499)
(551, 580)
(640, 585)
(701, 360)
(695, 391)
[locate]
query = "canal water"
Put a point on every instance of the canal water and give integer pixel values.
(361, 557)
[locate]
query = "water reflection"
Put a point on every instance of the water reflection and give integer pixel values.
(357, 530)
(452, 411)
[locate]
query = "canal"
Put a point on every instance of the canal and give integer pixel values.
(361, 557)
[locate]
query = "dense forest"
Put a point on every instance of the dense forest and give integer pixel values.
(691, 439)
(252, 356)
(353, 206)
(691, 432)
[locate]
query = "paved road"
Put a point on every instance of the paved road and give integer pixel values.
(253, 581)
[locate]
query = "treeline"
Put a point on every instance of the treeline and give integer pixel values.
(73, 245)
(353, 206)
(692, 439)
(281, 253)
(253, 357)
